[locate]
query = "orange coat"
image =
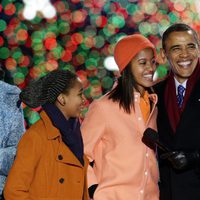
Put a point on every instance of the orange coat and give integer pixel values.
(124, 167)
(45, 168)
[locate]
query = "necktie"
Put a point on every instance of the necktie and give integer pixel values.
(180, 96)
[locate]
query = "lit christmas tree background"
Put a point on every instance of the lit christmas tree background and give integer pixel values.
(81, 37)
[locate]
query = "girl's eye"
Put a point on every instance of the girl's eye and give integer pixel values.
(142, 63)
(80, 94)
(153, 61)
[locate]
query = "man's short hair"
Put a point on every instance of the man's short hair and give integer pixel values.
(179, 27)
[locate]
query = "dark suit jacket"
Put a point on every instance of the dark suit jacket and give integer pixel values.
(179, 185)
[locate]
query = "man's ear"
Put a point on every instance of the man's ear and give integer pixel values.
(199, 48)
(61, 99)
(162, 59)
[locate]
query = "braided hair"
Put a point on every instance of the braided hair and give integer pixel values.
(46, 89)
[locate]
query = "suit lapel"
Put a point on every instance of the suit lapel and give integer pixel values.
(192, 104)
(162, 109)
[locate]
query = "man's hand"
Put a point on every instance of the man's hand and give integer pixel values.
(182, 159)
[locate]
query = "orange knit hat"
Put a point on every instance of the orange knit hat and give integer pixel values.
(128, 47)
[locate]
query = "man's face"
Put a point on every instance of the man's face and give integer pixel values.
(182, 51)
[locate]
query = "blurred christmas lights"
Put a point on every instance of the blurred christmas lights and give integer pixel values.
(43, 6)
(78, 35)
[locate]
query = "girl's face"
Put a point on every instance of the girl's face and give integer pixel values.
(143, 66)
(72, 102)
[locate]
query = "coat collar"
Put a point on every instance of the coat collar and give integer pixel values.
(153, 97)
(52, 131)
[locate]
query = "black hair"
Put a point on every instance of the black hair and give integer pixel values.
(123, 92)
(46, 89)
(179, 27)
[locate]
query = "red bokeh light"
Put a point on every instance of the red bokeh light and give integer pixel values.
(10, 63)
(24, 61)
(101, 21)
(9, 9)
(22, 35)
(77, 38)
(66, 56)
(50, 43)
(1, 41)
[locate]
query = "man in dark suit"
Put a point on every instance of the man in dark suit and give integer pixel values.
(179, 115)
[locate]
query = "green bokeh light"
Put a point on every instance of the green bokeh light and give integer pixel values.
(4, 3)
(173, 17)
(4, 53)
(18, 78)
(38, 59)
(38, 36)
(99, 41)
(2, 25)
(63, 27)
(16, 54)
(33, 117)
(91, 63)
(18, 6)
(145, 28)
(162, 71)
(57, 52)
(118, 21)
(132, 8)
(107, 82)
(36, 20)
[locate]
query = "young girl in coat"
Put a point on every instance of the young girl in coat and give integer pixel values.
(122, 166)
(50, 163)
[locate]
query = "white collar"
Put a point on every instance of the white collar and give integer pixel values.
(177, 84)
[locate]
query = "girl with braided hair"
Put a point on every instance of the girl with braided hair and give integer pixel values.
(49, 163)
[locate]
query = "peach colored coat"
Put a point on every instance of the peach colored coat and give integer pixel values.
(124, 167)
(45, 168)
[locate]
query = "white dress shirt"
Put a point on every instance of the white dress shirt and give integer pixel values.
(177, 84)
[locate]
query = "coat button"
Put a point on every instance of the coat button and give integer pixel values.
(61, 180)
(60, 157)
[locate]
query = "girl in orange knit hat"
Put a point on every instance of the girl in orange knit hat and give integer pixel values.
(122, 166)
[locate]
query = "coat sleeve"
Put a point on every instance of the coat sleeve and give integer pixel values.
(22, 172)
(93, 128)
(13, 130)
